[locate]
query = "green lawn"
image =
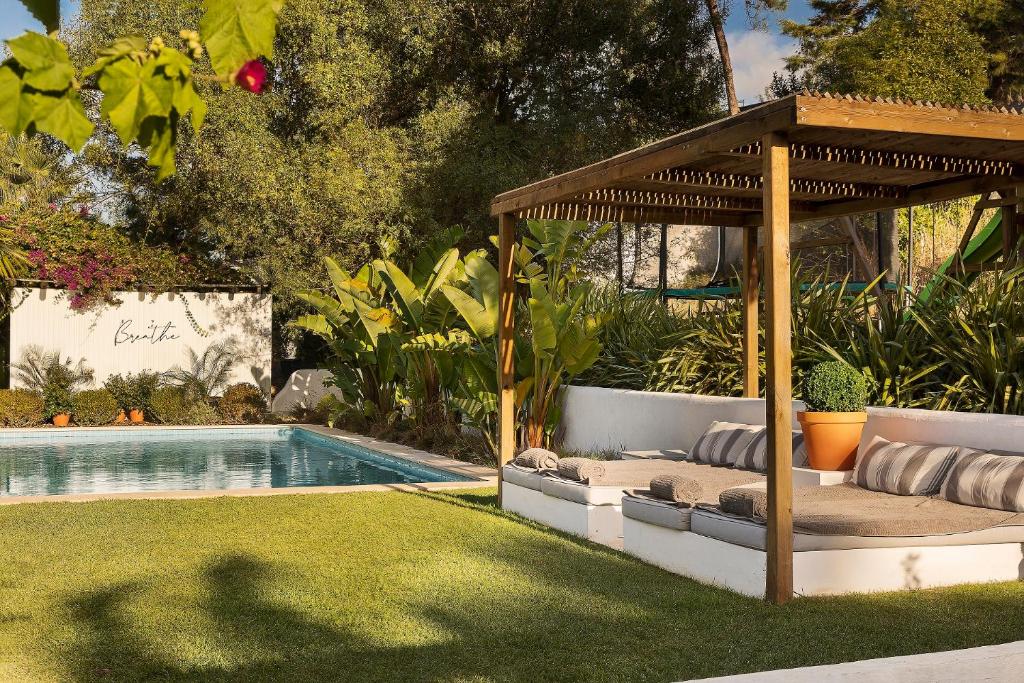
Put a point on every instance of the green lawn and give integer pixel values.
(401, 586)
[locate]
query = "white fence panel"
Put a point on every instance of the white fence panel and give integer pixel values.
(147, 331)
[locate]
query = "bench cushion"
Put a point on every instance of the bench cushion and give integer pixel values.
(584, 494)
(753, 534)
(522, 476)
(901, 468)
(658, 513)
(986, 480)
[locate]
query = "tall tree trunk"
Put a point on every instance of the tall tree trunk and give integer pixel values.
(889, 246)
(715, 13)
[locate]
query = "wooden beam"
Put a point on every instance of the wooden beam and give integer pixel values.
(926, 193)
(669, 200)
(870, 115)
(610, 213)
(506, 342)
(693, 180)
(751, 301)
(778, 361)
(972, 225)
(677, 150)
(898, 161)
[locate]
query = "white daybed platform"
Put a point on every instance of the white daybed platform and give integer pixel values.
(729, 552)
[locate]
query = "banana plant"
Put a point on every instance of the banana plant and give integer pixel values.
(365, 339)
(559, 341)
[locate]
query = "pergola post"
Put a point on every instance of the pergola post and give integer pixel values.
(778, 362)
(751, 299)
(506, 342)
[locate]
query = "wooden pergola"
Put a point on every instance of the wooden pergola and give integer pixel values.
(803, 157)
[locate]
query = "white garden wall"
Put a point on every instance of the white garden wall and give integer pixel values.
(598, 419)
(146, 332)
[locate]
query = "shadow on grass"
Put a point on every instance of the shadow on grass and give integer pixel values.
(546, 610)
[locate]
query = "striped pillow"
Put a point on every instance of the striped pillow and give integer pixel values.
(986, 480)
(901, 468)
(755, 455)
(723, 442)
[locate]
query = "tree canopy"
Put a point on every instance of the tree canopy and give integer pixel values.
(388, 120)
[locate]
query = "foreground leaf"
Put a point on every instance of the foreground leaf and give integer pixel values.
(237, 31)
(45, 60)
(15, 104)
(63, 117)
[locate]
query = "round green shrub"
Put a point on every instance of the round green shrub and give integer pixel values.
(835, 387)
(177, 406)
(242, 403)
(94, 407)
(56, 400)
(21, 408)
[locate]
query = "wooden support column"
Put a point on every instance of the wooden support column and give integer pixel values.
(778, 361)
(506, 342)
(751, 300)
(1009, 220)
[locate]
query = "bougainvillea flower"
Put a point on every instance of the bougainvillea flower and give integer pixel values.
(252, 76)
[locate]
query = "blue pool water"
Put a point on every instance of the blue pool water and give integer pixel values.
(56, 462)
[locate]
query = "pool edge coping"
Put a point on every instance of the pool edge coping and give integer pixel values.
(479, 476)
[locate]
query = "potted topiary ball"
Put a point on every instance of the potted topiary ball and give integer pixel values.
(835, 394)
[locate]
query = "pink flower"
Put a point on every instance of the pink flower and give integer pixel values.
(83, 210)
(37, 257)
(53, 206)
(4, 218)
(252, 76)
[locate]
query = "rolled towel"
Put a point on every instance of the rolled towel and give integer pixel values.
(537, 458)
(677, 488)
(581, 469)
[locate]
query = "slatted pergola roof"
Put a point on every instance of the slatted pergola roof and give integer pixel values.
(802, 157)
(846, 155)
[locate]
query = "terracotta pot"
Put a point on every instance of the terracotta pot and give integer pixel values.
(61, 420)
(832, 439)
(136, 416)
(121, 417)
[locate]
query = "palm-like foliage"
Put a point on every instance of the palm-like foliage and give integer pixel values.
(206, 373)
(39, 370)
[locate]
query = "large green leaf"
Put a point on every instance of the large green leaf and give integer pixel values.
(158, 136)
(46, 11)
(46, 62)
(16, 105)
(63, 117)
(237, 31)
(482, 321)
(132, 93)
(545, 337)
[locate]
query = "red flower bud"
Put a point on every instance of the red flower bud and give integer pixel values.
(252, 76)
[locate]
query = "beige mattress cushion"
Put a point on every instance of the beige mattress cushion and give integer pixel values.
(751, 534)
(848, 510)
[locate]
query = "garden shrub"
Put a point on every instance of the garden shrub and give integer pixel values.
(133, 391)
(835, 387)
(176, 406)
(94, 407)
(20, 408)
(242, 403)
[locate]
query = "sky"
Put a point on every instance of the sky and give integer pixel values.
(755, 54)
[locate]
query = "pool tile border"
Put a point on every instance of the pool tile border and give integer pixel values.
(478, 475)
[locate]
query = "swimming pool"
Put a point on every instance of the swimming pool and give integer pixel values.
(128, 460)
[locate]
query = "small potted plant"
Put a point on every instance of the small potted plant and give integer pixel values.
(835, 394)
(58, 404)
(140, 394)
(120, 388)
